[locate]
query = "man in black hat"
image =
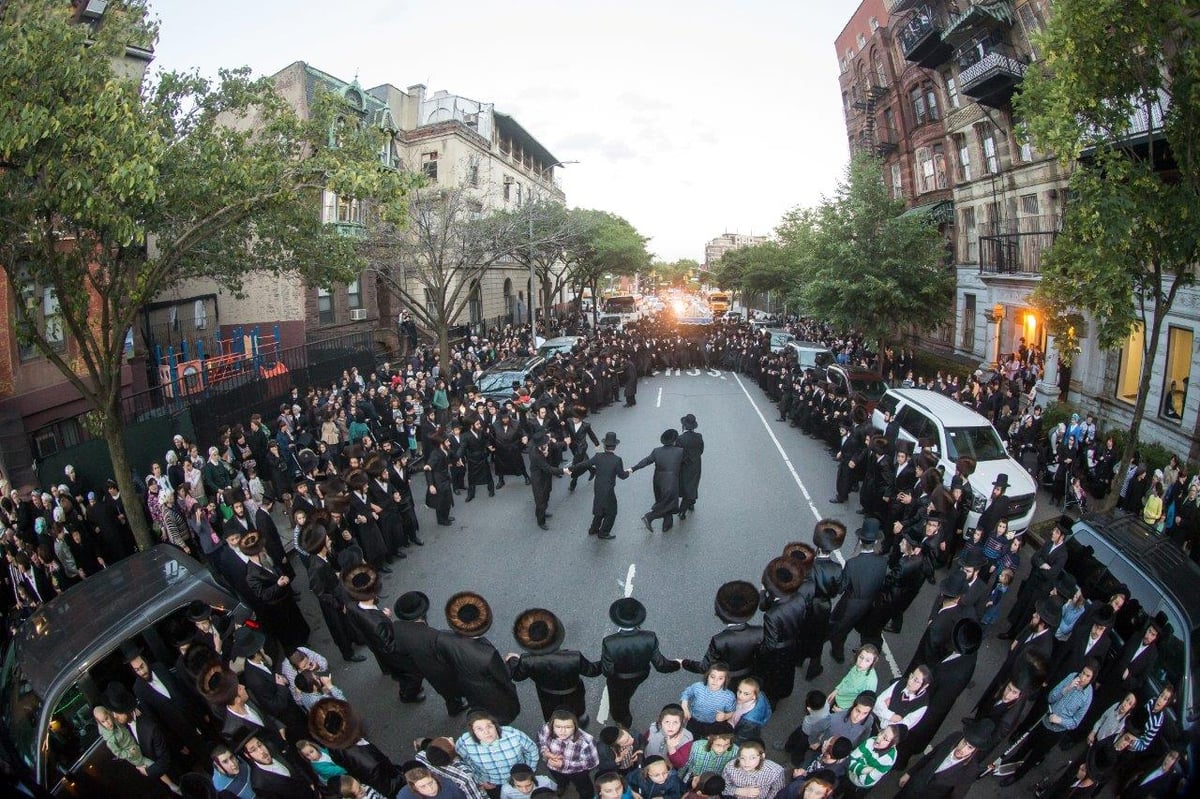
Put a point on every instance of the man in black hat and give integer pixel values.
(323, 581)
(480, 670)
(1086, 640)
(949, 770)
(541, 475)
(146, 729)
(476, 451)
(627, 655)
(737, 645)
(273, 594)
(1044, 568)
(412, 634)
(849, 456)
(938, 639)
(692, 444)
(862, 580)
(374, 626)
(157, 691)
(267, 687)
(578, 431)
(507, 439)
(555, 672)
(667, 460)
(439, 491)
(264, 522)
(1034, 644)
(335, 725)
(973, 564)
(607, 467)
(275, 773)
(785, 614)
(951, 676)
(997, 507)
(820, 592)
(878, 486)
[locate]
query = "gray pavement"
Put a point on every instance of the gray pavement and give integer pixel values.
(764, 484)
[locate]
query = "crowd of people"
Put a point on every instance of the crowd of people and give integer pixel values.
(243, 697)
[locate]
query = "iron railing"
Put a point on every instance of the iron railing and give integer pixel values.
(1016, 246)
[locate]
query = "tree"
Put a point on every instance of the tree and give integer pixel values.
(113, 190)
(758, 269)
(602, 244)
(1117, 96)
(548, 227)
(674, 273)
(435, 259)
(861, 264)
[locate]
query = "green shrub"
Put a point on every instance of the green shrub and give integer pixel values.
(1056, 413)
(1155, 455)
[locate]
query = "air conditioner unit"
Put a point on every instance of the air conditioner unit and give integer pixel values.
(358, 314)
(93, 9)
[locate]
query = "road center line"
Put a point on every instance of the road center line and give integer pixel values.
(659, 403)
(887, 650)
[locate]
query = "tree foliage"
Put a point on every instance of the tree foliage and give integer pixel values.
(758, 269)
(674, 273)
(115, 187)
(860, 264)
(1117, 97)
(603, 244)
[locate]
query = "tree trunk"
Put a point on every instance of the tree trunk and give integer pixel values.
(442, 331)
(113, 427)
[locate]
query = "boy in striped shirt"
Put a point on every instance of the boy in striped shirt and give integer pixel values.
(873, 758)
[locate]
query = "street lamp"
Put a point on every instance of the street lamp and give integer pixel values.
(533, 281)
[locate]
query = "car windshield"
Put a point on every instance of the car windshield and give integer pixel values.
(499, 381)
(980, 443)
(19, 707)
(870, 387)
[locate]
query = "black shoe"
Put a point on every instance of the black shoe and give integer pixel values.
(838, 657)
(457, 492)
(491, 493)
(646, 524)
(469, 497)
(401, 556)
(836, 501)
(500, 484)
(384, 570)
(605, 536)
(353, 658)
(549, 515)
(814, 672)
(682, 515)
(444, 524)
(458, 709)
(526, 481)
(417, 541)
(571, 487)
(1007, 636)
(593, 531)
(419, 696)
(543, 526)
(891, 628)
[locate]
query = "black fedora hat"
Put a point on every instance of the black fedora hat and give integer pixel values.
(736, 602)
(538, 630)
(968, 636)
(119, 698)
(689, 422)
(610, 439)
(198, 610)
(869, 532)
(411, 606)
(247, 641)
(130, 651)
(313, 538)
(953, 584)
(627, 612)
(1000, 481)
(468, 613)
(361, 582)
(973, 559)
(333, 723)
(978, 733)
(1049, 611)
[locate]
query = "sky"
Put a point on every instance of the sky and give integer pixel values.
(689, 118)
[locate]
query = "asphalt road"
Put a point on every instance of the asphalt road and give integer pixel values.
(764, 484)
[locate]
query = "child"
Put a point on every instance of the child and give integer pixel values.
(656, 780)
(349, 788)
(121, 743)
(320, 761)
(991, 611)
(522, 783)
(710, 754)
(708, 785)
(611, 785)
(834, 756)
(811, 728)
(618, 750)
(874, 757)
(861, 677)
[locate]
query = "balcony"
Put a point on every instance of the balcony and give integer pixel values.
(921, 40)
(990, 73)
(895, 7)
(1016, 246)
(887, 142)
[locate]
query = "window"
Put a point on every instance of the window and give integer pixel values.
(987, 140)
(971, 242)
(42, 309)
(508, 296)
(429, 166)
(1178, 371)
(385, 150)
(925, 178)
(939, 166)
(964, 156)
(968, 325)
(931, 102)
(951, 91)
(1021, 139)
(846, 102)
(861, 41)
(324, 306)
(350, 211)
(1029, 204)
(916, 99)
(889, 124)
(897, 183)
(880, 72)
(874, 24)
(916, 424)
(354, 298)
(431, 307)
(473, 175)
(72, 733)
(1129, 375)
(475, 304)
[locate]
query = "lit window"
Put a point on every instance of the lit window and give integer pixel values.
(925, 169)
(1129, 376)
(987, 139)
(917, 99)
(324, 306)
(1178, 372)
(42, 309)
(939, 166)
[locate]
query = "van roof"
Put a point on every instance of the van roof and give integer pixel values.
(1160, 558)
(950, 412)
(807, 345)
(105, 609)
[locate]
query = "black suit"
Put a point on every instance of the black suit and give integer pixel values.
(366, 763)
(783, 620)
(275, 699)
(862, 580)
(950, 680)
(667, 464)
(178, 712)
(541, 477)
(268, 785)
(689, 475)
(153, 742)
(557, 678)
(1044, 567)
(481, 674)
(323, 581)
(580, 435)
(419, 641)
(626, 657)
(1023, 647)
(926, 782)
(374, 627)
(279, 611)
(608, 467)
(736, 646)
(938, 640)
(264, 522)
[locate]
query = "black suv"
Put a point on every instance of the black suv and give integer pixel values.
(497, 381)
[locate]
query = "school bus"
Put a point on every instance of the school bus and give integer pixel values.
(718, 302)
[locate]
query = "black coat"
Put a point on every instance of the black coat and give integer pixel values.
(264, 522)
(689, 475)
(475, 454)
(152, 739)
(668, 462)
(609, 468)
(629, 655)
(950, 680)
(938, 639)
(862, 580)
(541, 476)
(736, 646)
(557, 672)
(482, 675)
(180, 713)
(375, 629)
(268, 785)
(281, 614)
(420, 642)
(925, 782)
(366, 763)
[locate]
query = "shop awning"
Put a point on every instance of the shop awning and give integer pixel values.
(940, 212)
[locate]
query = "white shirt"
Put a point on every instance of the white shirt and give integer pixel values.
(950, 761)
(275, 767)
(157, 685)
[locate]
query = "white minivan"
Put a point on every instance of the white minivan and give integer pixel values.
(957, 431)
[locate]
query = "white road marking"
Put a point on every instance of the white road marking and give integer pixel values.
(694, 372)
(659, 403)
(887, 650)
(716, 373)
(602, 710)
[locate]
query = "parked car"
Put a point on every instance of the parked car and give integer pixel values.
(956, 430)
(780, 338)
(563, 344)
(62, 657)
(866, 386)
(731, 316)
(810, 354)
(497, 381)
(1106, 550)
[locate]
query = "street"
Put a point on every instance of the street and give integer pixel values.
(764, 484)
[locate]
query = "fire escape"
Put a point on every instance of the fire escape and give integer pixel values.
(869, 139)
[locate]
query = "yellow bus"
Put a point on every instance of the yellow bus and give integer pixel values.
(718, 302)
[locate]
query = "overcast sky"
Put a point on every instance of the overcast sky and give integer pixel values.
(690, 118)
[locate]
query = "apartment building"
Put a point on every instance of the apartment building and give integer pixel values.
(722, 244)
